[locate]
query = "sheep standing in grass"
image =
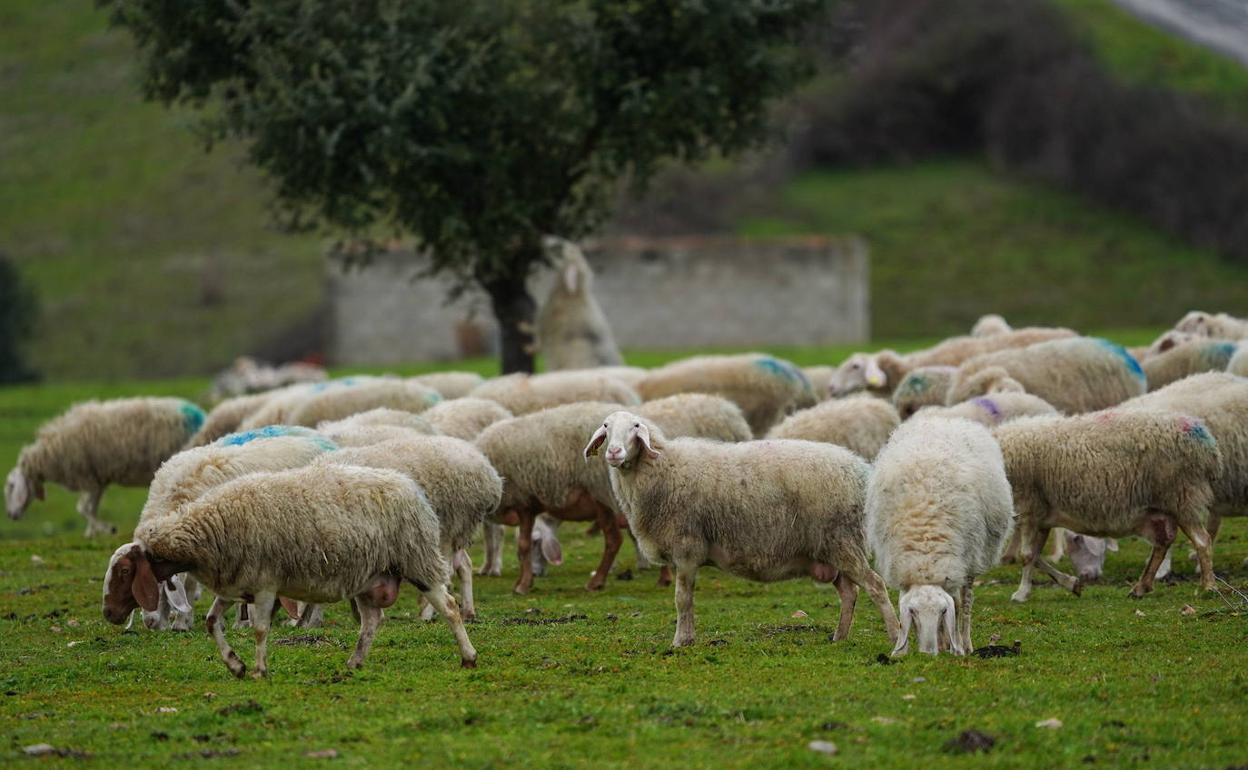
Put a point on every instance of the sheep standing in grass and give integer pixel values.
(860, 424)
(766, 388)
(1187, 358)
(465, 418)
(1110, 474)
(938, 515)
(523, 394)
(317, 534)
(99, 443)
(762, 510)
(572, 331)
(450, 385)
(1221, 326)
(990, 324)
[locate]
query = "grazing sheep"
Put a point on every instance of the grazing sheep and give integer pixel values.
(572, 331)
(317, 534)
(281, 404)
(990, 324)
(1075, 375)
(450, 385)
(993, 410)
(766, 388)
(523, 393)
(1187, 358)
(337, 403)
(1239, 362)
(1221, 326)
(226, 416)
(938, 515)
(762, 510)
(860, 424)
(1110, 474)
(465, 417)
(98, 443)
(921, 387)
(880, 373)
(167, 615)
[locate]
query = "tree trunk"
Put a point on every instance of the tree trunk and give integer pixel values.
(515, 311)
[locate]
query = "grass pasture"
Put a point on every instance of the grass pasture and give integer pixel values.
(573, 679)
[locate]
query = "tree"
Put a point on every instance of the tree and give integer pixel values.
(18, 312)
(476, 126)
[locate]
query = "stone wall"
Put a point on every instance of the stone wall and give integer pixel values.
(657, 293)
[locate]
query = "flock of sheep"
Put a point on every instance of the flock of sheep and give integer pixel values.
(930, 465)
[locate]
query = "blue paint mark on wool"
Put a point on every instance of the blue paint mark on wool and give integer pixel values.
(914, 384)
(772, 366)
(1197, 430)
(275, 431)
(192, 417)
(1127, 358)
(1218, 354)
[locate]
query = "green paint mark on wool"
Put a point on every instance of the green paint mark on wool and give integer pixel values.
(914, 384)
(192, 417)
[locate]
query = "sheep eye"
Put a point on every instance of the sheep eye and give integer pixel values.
(636, 425)
(853, 366)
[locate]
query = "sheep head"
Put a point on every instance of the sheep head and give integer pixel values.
(930, 609)
(627, 437)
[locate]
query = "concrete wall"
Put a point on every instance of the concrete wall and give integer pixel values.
(657, 293)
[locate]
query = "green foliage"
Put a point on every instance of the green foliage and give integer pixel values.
(18, 311)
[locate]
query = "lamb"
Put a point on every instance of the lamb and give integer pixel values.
(993, 410)
(1187, 358)
(450, 385)
(523, 394)
(317, 534)
(337, 403)
(1081, 374)
(459, 482)
(861, 424)
(98, 443)
(572, 331)
(465, 418)
(921, 387)
(766, 388)
(990, 324)
(763, 510)
(1221, 326)
(1110, 474)
(880, 373)
(938, 515)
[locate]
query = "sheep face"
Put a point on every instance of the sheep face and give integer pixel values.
(858, 372)
(626, 436)
(931, 611)
(1194, 322)
(129, 583)
(1087, 554)
(18, 491)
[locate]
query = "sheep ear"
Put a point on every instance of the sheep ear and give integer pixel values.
(1166, 343)
(144, 587)
(903, 637)
(291, 606)
(643, 437)
(552, 551)
(176, 592)
(876, 377)
(951, 628)
(1111, 544)
(595, 441)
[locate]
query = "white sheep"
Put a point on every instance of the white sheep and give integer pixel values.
(1221, 326)
(99, 443)
(317, 534)
(337, 403)
(1110, 474)
(993, 410)
(1186, 358)
(523, 394)
(860, 423)
(450, 385)
(572, 331)
(765, 387)
(938, 515)
(465, 417)
(375, 426)
(922, 387)
(225, 417)
(762, 510)
(990, 324)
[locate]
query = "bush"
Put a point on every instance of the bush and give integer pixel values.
(18, 311)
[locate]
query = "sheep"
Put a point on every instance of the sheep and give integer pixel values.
(921, 387)
(1220, 326)
(1166, 341)
(1080, 374)
(226, 416)
(572, 331)
(1221, 401)
(861, 424)
(1179, 361)
(459, 482)
(1110, 474)
(1238, 364)
(820, 378)
(880, 373)
(281, 404)
(336, 403)
(317, 534)
(167, 615)
(938, 515)
(538, 456)
(993, 410)
(629, 375)
(523, 394)
(450, 385)
(396, 418)
(766, 388)
(98, 443)
(247, 375)
(465, 417)
(762, 510)
(990, 324)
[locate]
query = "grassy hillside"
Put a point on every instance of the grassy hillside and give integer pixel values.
(951, 240)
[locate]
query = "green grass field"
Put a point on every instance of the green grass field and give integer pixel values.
(573, 679)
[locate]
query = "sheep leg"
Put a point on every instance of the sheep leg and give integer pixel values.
(88, 506)
(611, 540)
(1059, 545)
(1030, 543)
(1200, 538)
(686, 577)
(444, 603)
(849, 597)
(964, 616)
(524, 550)
(462, 564)
(1069, 582)
(1160, 532)
(215, 620)
(870, 581)
(311, 616)
(265, 602)
(370, 621)
(244, 616)
(493, 537)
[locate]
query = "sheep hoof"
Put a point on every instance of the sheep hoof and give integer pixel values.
(355, 664)
(468, 663)
(1018, 597)
(259, 674)
(1077, 588)
(594, 585)
(520, 589)
(238, 669)
(1138, 591)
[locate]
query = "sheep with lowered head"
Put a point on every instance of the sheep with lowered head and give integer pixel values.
(99, 443)
(225, 417)
(922, 387)
(762, 510)
(572, 331)
(861, 424)
(316, 534)
(938, 515)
